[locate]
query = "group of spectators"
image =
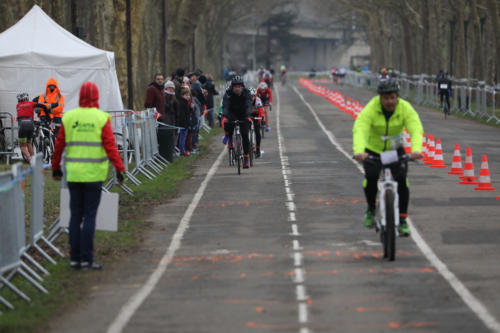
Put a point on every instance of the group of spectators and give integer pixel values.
(181, 100)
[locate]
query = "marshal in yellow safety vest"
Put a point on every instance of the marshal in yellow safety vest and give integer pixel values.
(86, 159)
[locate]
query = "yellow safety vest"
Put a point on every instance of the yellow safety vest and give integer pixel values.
(86, 159)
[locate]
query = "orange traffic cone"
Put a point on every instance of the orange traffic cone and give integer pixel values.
(468, 178)
(431, 148)
(456, 164)
(438, 158)
(484, 177)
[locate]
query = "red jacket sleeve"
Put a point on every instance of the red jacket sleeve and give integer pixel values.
(58, 149)
(108, 142)
(269, 93)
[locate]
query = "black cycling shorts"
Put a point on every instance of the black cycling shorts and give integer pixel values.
(26, 129)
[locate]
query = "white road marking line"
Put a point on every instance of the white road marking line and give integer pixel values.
(296, 245)
(472, 302)
(298, 275)
(297, 256)
(291, 217)
(297, 259)
(129, 308)
(290, 205)
(302, 313)
(301, 293)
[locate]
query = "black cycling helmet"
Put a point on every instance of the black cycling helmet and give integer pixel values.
(387, 86)
(236, 80)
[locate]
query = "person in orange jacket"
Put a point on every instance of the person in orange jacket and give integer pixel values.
(54, 101)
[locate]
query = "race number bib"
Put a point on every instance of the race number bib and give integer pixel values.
(443, 86)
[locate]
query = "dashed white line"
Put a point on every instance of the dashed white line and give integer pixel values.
(303, 313)
(298, 257)
(295, 231)
(298, 275)
(301, 293)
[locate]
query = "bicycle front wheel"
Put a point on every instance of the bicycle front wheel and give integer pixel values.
(390, 228)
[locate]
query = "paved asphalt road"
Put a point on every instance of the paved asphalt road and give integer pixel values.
(282, 246)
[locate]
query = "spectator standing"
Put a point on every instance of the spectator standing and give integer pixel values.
(54, 104)
(170, 104)
(87, 136)
(183, 118)
(199, 102)
(154, 95)
(211, 92)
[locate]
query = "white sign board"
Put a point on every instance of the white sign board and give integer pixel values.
(107, 213)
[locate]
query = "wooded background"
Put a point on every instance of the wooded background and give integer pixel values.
(424, 36)
(149, 36)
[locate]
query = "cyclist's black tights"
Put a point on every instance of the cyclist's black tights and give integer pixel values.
(372, 173)
(229, 128)
(256, 127)
(447, 96)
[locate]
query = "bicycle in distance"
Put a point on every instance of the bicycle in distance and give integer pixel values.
(387, 209)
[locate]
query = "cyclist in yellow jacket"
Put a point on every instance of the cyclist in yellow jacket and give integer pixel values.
(384, 117)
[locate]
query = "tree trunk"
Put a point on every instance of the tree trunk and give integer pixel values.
(460, 48)
(493, 9)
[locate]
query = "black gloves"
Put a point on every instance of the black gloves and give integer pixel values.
(54, 105)
(57, 173)
(119, 176)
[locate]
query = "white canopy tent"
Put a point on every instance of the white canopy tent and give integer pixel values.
(37, 48)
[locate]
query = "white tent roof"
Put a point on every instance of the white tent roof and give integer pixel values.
(37, 48)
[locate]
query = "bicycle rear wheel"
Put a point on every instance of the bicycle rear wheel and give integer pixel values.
(390, 231)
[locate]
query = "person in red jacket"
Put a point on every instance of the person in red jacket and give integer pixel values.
(25, 114)
(265, 95)
(154, 95)
(257, 112)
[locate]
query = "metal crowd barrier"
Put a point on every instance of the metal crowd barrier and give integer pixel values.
(7, 135)
(14, 257)
(469, 97)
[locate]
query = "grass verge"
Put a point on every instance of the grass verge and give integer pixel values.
(67, 287)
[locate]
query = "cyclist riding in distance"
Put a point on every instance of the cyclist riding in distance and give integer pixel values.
(25, 117)
(444, 86)
(283, 74)
(237, 105)
(266, 96)
(384, 117)
(267, 78)
(257, 112)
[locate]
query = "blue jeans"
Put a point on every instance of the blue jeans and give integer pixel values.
(83, 202)
(182, 140)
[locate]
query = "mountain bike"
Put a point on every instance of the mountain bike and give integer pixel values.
(387, 210)
(43, 140)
